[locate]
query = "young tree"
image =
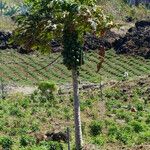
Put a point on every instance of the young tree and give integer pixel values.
(68, 21)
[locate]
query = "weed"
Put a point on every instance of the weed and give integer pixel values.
(6, 143)
(96, 128)
(27, 140)
(99, 140)
(51, 145)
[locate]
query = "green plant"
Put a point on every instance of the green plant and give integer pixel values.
(3, 7)
(45, 86)
(139, 106)
(99, 140)
(85, 104)
(27, 140)
(112, 130)
(6, 143)
(45, 93)
(11, 11)
(143, 137)
(138, 126)
(15, 111)
(51, 145)
(125, 137)
(96, 128)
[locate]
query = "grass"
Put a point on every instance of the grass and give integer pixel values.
(23, 116)
(27, 68)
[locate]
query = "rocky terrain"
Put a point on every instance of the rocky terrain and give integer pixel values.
(136, 41)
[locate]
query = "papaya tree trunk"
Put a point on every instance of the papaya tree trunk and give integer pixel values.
(77, 119)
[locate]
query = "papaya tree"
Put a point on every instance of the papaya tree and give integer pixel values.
(68, 21)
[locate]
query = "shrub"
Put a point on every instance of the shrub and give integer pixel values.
(144, 137)
(34, 126)
(140, 106)
(99, 140)
(122, 114)
(27, 140)
(6, 143)
(138, 126)
(51, 145)
(15, 111)
(47, 86)
(25, 103)
(46, 92)
(96, 128)
(148, 119)
(85, 104)
(125, 137)
(112, 132)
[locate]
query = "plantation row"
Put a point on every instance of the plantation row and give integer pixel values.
(15, 67)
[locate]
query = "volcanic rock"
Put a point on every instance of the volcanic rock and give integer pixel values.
(136, 41)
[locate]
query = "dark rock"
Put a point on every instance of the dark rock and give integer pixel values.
(129, 19)
(142, 23)
(60, 136)
(136, 41)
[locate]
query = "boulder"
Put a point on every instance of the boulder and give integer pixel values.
(136, 41)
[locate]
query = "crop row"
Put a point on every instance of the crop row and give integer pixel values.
(20, 68)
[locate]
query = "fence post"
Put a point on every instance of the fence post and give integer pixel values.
(2, 89)
(101, 89)
(68, 135)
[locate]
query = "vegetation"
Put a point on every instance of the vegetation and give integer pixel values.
(27, 69)
(115, 116)
(22, 118)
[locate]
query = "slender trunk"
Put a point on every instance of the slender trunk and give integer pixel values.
(77, 119)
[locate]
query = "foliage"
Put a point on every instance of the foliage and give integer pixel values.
(46, 92)
(70, 20)
(24, 73)
(47, 86)
(51, 145)
(96, 128)
(6, 143)
(27, 140)
(3, 6)
(99, 140)
(119, 124)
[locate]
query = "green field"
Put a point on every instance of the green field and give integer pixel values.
(28, 68)
(113, 117)
(121, 121)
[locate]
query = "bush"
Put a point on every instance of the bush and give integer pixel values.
(46, 92)
(6, 143)
(85, 104)
(138, 126)
(27, 140)
(96, 128)
(51, 145)
(144, 137)
(15, 111)
(140, 106)
(47, 86)
(125, 137)
(112, 132)
(99, 140)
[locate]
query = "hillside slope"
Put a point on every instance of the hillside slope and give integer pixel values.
(29, 68)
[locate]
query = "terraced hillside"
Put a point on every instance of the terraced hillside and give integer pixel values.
(30, 69)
